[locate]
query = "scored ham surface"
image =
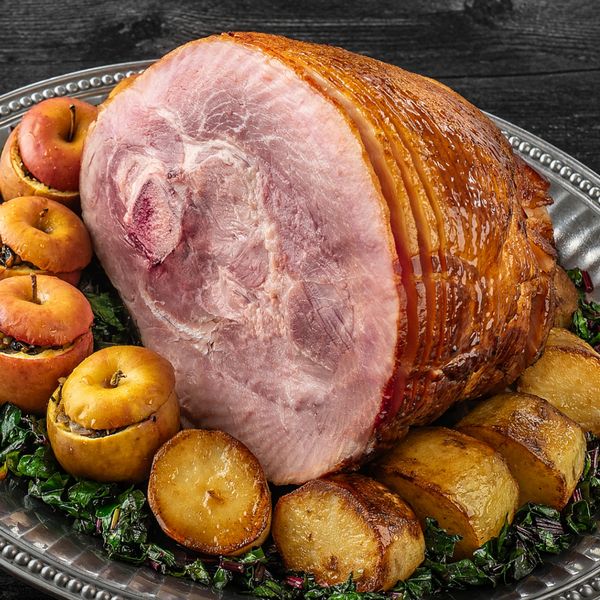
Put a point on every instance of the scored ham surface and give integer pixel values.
(326, 247)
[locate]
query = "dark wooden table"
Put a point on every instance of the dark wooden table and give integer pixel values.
(533, 62)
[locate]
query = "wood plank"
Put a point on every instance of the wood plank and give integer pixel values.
(517, 58)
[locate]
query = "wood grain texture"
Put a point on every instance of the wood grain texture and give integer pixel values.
(533, 62)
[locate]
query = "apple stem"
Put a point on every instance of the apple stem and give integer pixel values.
(72, 125)
(116, 377)
(34, 292)
(41, 218)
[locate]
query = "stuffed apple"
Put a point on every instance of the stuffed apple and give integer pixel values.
(113, 413)
(41, 236)
(42, 156)
(44, 334)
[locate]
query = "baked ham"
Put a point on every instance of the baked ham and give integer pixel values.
(327, 248)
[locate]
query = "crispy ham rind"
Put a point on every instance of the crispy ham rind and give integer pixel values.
(327, 248)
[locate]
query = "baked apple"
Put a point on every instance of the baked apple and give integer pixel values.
(42, 155)
(112, 414)
(41, 236)
(44, 333)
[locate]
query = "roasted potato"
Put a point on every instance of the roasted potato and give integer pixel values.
(567, 298)
(209, 493)
(113, 413)
(543, 448)
(568, 376)
(461, 482)
(348, 524)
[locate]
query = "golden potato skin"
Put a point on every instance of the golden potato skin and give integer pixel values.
(567, 298)
(28, 381)
(568, 376)
(348, 524)
(209, 493)
(458, 480)
(14, 182)
(544, 449)
(122, 456)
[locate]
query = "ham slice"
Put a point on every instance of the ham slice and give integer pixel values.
(327, 248)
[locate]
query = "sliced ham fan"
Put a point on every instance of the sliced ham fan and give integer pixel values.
(326, 247)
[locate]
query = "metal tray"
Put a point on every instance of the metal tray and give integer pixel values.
(38, 545)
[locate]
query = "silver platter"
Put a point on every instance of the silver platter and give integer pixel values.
(38, 545)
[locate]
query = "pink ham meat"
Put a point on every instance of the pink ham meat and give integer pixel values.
(274, 225)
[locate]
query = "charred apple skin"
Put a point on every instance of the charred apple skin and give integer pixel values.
(403, 261)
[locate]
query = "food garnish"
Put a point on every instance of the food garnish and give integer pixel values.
(39, 235)
(567, 375)
(113, 325)
(543, 448)
(209, 493)
(118, 514)
(586, 319)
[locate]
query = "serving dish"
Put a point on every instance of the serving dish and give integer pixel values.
(39, 546)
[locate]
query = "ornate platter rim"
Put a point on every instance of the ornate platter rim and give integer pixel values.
(63, 579)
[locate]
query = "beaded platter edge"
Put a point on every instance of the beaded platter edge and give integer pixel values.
(22, 559)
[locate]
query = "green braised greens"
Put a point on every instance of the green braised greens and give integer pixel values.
(119, 514)
(112, 323)
(586, 319)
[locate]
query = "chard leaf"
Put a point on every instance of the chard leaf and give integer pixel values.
(112, 323)
(440, 544)
(271, 589)
(196, 571)
(9, 428)
(106, 309)
(221, 578)
(39, 464)
(586, 319)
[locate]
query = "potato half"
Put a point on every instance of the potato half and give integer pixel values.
(568, 376)
(543, 448)
(461, 482)
(113, 413)
(348, 524)
(209, 493)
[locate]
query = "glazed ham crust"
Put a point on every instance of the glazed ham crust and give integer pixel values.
(328, 248)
